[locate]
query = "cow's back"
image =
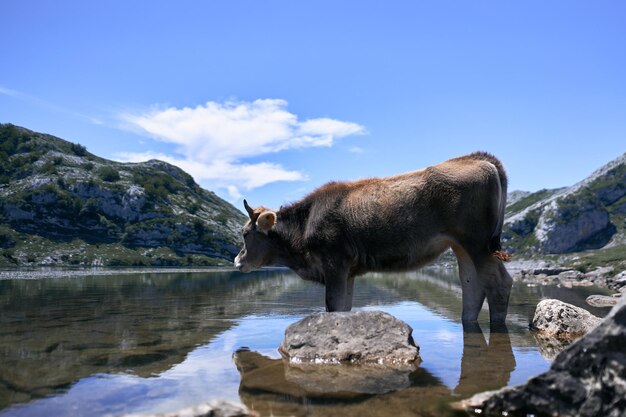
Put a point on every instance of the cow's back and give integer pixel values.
(394, 222)
(429, 199)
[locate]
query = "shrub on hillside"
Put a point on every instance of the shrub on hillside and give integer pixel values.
(108, 174)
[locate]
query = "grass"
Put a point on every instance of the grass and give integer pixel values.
(589, 260)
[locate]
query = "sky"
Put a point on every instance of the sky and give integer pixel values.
(267, 100)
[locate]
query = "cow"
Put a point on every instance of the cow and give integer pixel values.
(399, 223)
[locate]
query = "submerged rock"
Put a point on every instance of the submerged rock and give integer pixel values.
(211, 409)
(554, 318)
(275, 387)
(602, 300)
(261, 373)
(550, 346)
(587, 379)
(363, 337)
(362, 379)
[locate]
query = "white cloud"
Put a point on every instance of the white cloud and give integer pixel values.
(213, 140)
(223, 174)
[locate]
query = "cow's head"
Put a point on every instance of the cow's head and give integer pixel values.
(257, 248)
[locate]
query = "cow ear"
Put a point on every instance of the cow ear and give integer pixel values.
(266, 221)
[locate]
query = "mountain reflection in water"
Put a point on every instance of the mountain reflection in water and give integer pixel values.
(108, 345)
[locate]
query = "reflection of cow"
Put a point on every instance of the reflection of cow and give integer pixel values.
(485, 367)
(399, 223)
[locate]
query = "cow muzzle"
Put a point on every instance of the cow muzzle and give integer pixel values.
(241, 265)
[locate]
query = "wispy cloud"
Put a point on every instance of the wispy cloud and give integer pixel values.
(214, 140)
(9, 92)
(38, 102)
(356, 149)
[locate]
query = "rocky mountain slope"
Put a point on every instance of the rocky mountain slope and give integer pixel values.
(61, 205)
(588, 216)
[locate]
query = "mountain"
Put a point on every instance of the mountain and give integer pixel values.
(587, 218)
(61, 205)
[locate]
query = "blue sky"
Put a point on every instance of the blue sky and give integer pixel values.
(268, 100)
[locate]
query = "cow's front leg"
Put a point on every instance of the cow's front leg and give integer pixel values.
(339, 293)
(350, 285)
(498, 289)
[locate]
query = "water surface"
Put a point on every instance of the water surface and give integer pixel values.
(158, 342)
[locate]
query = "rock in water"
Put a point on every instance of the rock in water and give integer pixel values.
(363, 337)
(587, 379)
(601, 300)
(554, 318)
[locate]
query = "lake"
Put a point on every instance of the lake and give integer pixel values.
(74, 344)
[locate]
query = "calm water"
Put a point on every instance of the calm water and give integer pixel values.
(158, 342)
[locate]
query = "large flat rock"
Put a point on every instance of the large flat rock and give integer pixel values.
(363, 337)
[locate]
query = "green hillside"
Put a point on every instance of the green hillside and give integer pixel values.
(61, 205)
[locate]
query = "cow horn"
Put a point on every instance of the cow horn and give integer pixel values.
(248, 208)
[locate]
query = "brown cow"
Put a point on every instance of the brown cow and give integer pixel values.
(345, 229)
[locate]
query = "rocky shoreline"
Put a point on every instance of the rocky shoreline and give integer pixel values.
(67, 272)
(545, 273)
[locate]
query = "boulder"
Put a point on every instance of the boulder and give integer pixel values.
(554, 318)
(363, 337)
(586, 379)
(218, 408)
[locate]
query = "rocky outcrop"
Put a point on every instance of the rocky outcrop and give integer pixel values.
(554, 318)
(587, 379)
(573, 223)
(210, 409)
(363, 337)
(567, 277)
(572, 219)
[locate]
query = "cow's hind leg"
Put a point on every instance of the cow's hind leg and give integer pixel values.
(473, 292)
(497, 283)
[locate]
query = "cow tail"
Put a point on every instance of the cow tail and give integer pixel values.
(495, 245)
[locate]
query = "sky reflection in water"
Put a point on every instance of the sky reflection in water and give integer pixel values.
(161, 342)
